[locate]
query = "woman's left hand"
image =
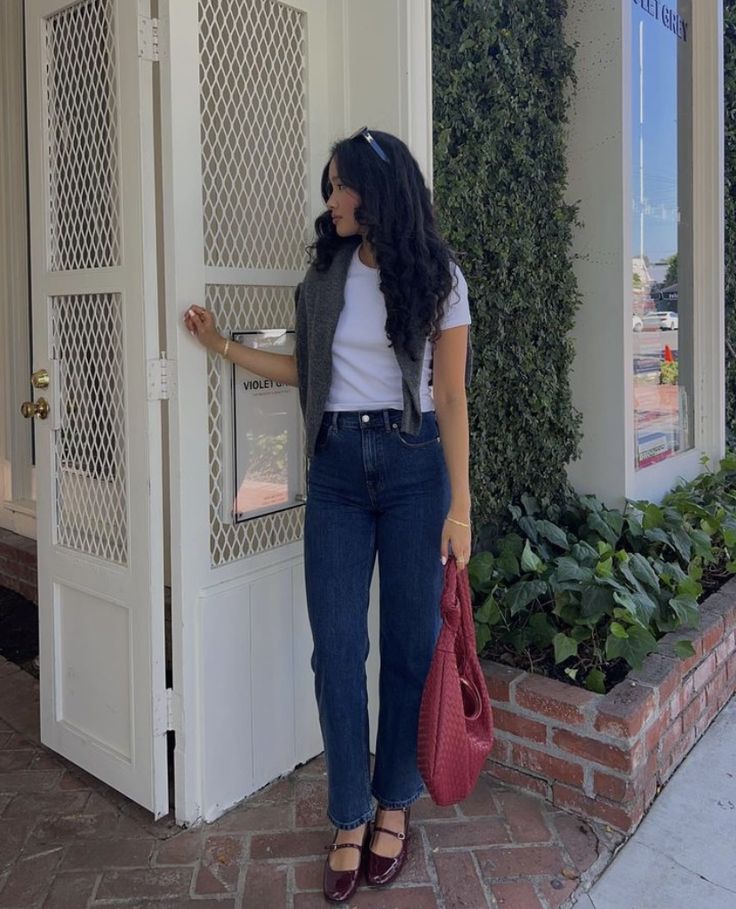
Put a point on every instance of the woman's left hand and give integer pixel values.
(456, 539)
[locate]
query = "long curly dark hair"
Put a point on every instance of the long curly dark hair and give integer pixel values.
(396, 210)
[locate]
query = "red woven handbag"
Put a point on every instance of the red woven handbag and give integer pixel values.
(455, 719)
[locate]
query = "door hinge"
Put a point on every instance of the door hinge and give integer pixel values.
(148, 38)
(161, 379)
(166, 718)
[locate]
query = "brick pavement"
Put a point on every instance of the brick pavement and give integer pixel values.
(68, 841)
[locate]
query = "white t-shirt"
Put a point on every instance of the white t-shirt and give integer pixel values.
(365, 372)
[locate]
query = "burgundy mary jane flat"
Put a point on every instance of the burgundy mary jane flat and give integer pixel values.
(382, 869)
(340, 885)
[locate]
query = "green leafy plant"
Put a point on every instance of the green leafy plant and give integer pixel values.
(584, 592)
(668, 373)
(502, 79)
(671, 273)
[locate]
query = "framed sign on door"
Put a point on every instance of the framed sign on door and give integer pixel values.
(268, 438)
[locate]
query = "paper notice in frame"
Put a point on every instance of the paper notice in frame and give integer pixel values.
(267, 434)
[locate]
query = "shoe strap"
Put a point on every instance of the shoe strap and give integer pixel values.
(334, 846)
(400, 836)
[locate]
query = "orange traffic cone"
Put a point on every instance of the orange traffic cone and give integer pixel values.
(668, 358)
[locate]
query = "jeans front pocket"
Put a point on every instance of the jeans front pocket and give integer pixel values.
(427, 435)
(326, 431)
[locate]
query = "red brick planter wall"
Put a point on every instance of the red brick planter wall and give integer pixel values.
(604, 756)
(18, 564)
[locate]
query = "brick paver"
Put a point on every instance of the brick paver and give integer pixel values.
(67, 841)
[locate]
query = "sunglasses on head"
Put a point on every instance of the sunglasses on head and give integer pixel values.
(364, 133)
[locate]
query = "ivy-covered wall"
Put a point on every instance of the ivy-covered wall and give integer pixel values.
(729, 16)
(501, 71)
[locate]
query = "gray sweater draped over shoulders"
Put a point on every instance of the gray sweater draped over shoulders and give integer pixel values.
(319, 301)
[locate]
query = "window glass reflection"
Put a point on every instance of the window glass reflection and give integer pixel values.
(661, 195)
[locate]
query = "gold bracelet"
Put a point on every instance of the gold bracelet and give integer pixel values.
(226, 348)
(461, 523)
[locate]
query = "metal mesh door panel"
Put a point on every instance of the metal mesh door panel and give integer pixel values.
(241, 308)
(255, 195)
(82, 136)
(89, 448)
(253, 109)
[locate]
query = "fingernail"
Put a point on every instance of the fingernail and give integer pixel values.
(444, 560)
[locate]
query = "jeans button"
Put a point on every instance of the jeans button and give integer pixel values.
(365, 418)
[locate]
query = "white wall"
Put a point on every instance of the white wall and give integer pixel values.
(598, 177)
(385, 81)
(16, 493)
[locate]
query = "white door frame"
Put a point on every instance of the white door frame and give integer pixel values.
(17, 509)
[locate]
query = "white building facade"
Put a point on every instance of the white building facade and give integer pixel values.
(159, 155)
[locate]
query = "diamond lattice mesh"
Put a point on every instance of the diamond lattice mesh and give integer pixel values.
(89, 446)
(82, 122)
(253, 108)
(240, 308)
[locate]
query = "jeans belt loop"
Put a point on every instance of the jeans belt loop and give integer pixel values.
(335, 415)
(386, 420)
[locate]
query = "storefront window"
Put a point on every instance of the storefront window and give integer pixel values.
(661, 195)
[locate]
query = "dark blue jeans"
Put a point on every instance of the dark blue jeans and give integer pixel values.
(373, 490)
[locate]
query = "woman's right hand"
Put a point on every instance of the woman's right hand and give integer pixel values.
(200, 323)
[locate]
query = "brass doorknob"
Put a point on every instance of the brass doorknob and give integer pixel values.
(40, 379)
(40, 409)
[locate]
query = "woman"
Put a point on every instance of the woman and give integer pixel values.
(380, 362)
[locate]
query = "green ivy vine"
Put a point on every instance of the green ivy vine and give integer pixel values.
(502, 73)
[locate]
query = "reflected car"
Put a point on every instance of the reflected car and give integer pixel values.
(664, 321)
(637, 323)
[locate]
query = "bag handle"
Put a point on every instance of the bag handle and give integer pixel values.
(458, 614)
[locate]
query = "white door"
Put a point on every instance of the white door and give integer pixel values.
(98, 451)
(245, 131)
